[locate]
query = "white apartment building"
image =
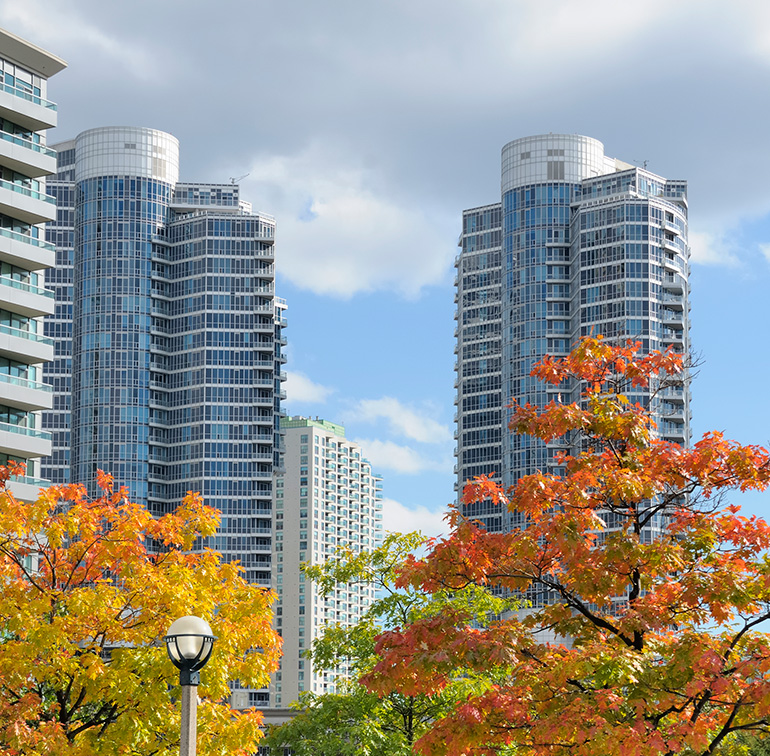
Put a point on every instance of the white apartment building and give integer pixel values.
(25, 161)
(327, 498)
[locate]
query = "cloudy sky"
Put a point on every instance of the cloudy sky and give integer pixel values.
(367, 127)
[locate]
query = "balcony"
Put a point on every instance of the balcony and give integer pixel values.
(26, 157)
(26, 109)
(28, 205)
(27, 442)
(25, 299)
(26, 488)
(25, 346)
(25, 394)
(26, 251)
(673, 282)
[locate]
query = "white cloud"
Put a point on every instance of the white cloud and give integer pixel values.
(712, 248)
(57, 25)
(386, 455)
(338, 234)
(396, 517)
(299, 388)
(401, 419)
(765, 250)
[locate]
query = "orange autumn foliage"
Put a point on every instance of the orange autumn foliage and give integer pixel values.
(658, 588)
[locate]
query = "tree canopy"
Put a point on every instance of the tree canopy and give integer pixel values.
(89, 589)
(656, 587)
(354, 721)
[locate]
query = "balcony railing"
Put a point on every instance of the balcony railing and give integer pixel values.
(15, 380)
(19, 333)
(27, 239)
(28, 96)
(33, 432)
(26, 191)
(13, 283)
(27, 144)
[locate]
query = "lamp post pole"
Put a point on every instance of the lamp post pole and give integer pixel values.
(189, 643)
(188, 741)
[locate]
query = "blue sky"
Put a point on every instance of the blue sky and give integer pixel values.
(366, 129)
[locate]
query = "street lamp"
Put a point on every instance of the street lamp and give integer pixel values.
(189, 643)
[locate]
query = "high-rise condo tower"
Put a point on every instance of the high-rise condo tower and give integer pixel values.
(580, 243)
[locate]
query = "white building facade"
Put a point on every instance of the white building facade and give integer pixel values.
(25, 206)
(327, 498)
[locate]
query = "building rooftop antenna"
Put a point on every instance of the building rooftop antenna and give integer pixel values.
(238, 179)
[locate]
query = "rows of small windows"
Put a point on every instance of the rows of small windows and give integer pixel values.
(483, 261)
(484, 313)
(248, 227)
(481, 383)
(482, 219)
(209, 375)
(539, 194)
(614, 253)
(480, 366)
(540, 273)
(532, 217)
(477, 455)
(189, 252)
(221, 266)
(65, 158)
(22, 275)
(481, 349)
(618, 309)
(20, 179)
(621, 289)
(490, 278)
(194, 194)
(20, 322)
(538, 292)
(253, 356)
(628, 232)
(617, 183)
(481, 402)
(17, 369)
(638, 212)
(89, 282)
(22, 132)
(618, 271)
(480, 418)
(19, 227)
(185, 394)
(233, 302)
(19, 78)
(231, 450)
(480, 297)
(481, 331)
(483, 436)
(123, 187)
(184, 434)
(232, 284)
(480, 241)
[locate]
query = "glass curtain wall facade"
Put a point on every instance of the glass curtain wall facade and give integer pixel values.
(58, 326)
(176, 349)
(478, 361)
(590, 245)
(25, 206)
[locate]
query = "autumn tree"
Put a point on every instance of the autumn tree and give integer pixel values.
(84, 606)
(663, 651)
(354, 721)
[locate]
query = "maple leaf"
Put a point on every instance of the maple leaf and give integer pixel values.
(657, 642)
